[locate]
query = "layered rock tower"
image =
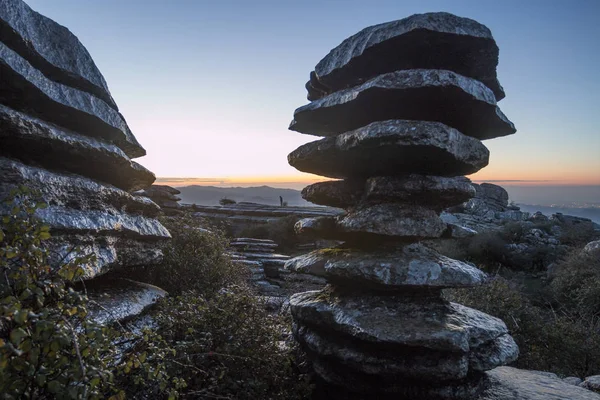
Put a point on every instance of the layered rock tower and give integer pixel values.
(403, 107)
(61, 134)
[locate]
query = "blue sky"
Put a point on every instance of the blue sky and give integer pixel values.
(209, 87)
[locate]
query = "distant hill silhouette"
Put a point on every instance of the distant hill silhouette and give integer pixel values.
(210, 195)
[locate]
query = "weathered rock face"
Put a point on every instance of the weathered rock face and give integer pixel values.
(61, 134)
(394, 147)
(403, 109)
(417, 94)
(461, 45)
(164, 196)
(51, 49)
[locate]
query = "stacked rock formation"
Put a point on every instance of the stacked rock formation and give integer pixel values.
(61, 134)
(163, 195)
(403, 107)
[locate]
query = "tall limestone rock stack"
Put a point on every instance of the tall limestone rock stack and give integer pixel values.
(403, 107)
(61, 133)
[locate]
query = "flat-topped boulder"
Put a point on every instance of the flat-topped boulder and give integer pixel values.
(419, 94)
(516, 384)
(435, 191)
(410, 266)
(341, 194)
(26, 89)
(393, 147)
(117, 299)
(460, 44)
(393, 220)
(394, 322)
(71, 190)
(33, 140)
(51, 48)
(101, 222)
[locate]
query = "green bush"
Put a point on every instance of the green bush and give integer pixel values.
(548, 339)
(195, 259)
(229, 347)
(227, 202)
(49, 347)
(281, 231)
(576, 284)
(578, 234)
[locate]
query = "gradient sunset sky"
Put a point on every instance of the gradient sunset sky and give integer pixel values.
(209, 87)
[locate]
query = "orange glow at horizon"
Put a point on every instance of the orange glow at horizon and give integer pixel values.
(514, 178)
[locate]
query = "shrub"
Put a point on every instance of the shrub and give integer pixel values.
(227, 202)
(548, 340)
(576, 284)
(229, 347)
(49, 347)
(281, 231)
(578, 234)
(194, 259)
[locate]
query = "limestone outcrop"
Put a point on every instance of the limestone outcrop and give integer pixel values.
(402, 122)
(62, 135)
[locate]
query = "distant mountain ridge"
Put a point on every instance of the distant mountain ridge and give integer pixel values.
(210, 195)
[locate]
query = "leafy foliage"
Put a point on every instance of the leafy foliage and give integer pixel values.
(195, 259)
(50, 347)
(226, 201)
(229, 347)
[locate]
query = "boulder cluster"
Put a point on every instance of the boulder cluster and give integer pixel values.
(62, 135)
(403, 107)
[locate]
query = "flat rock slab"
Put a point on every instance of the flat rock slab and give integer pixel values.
(110, 252)
(70, 190)
(262, 256)
(419, 94)
(398, 322)
(101, 222)
(342, 194)
(26, 89)
(410, 266)
(516, 384)
(51, 48)
(392, 220)
(120, 299)
(391, 148)
(428, 41)
(423, 365)
(434, 191)
(33, 140)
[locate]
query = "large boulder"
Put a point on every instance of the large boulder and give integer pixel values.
(460, 44)
(393, 147)
(420, 94)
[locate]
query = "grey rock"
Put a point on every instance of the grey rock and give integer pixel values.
(393, 220)
(516, 384)
(70, 190)
(539, 217)
(101, 222)
(389, 148)
(395, 322)
(340, 194)
(110, 252)
(347, 384)
(572, 380)
(496, 197)
(423, 365)
(591, 383)
(429, 41)
(161, 193)
(51, 48)
(35, 141)
(432, 191)
(419, 94)
(24, 88)
(409, 266)
(592, 247)
(461, 232)
(119, 299)
(501, 351)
